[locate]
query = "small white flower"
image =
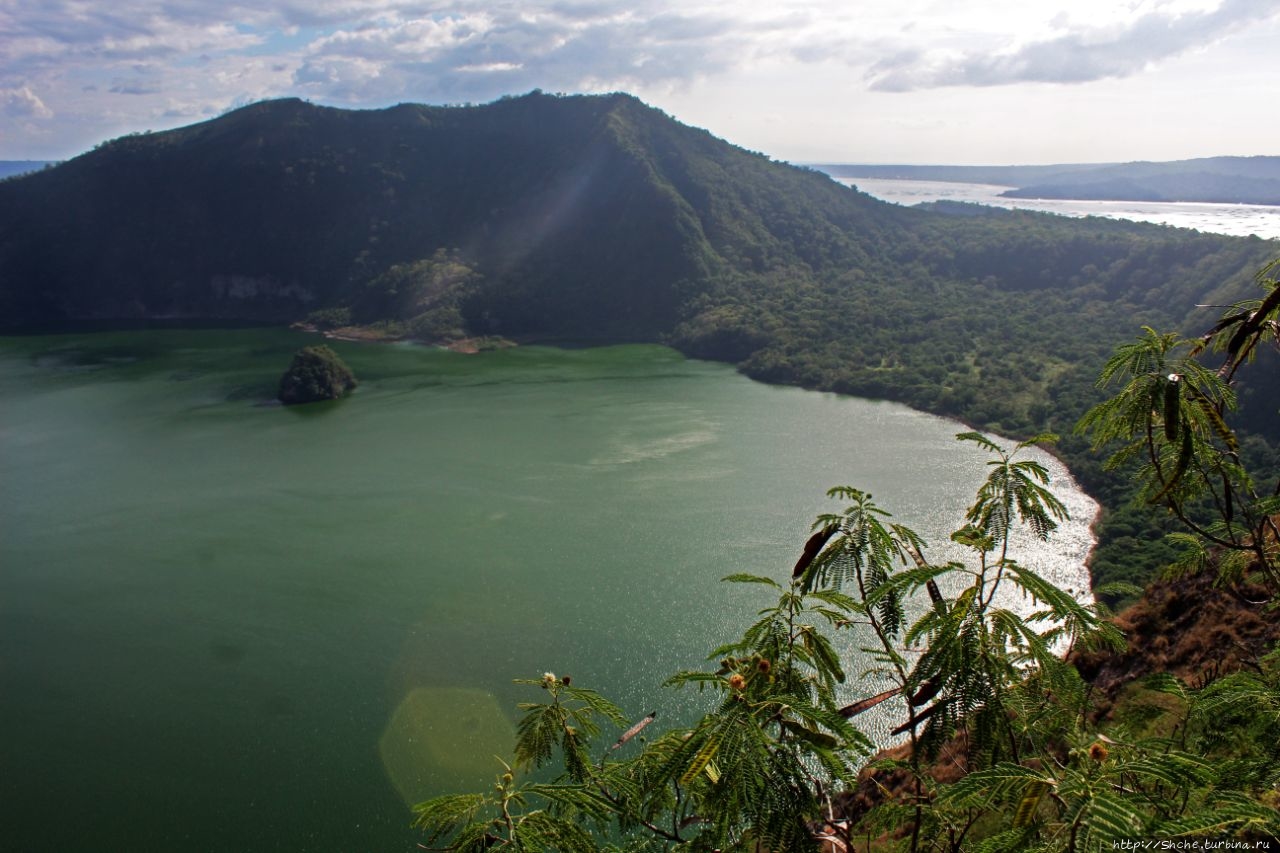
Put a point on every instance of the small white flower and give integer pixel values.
(1173, 377)
(548, 677)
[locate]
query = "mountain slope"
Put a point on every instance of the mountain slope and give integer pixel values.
(283, 207)
(594, 218)
(590, 218)
(599, 218)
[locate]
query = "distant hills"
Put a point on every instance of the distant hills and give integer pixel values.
(1224, 180)
(10, 168)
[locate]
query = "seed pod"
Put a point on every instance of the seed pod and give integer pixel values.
(927, 691)
(812, 547)
(1172, 416)
(1241, 335)
(634, 730)
(918, 718)
(866, 704)
(1180, 468)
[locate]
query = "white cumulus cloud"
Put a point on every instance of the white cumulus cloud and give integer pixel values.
(107, 68)
(1078, 54)
(23, 103)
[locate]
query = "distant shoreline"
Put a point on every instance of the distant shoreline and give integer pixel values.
(373, 334)
(1210, 180)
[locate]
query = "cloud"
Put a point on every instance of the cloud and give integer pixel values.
(1088, 54)
(23, 103)
(72, 32)
(134, 89)
(479, 51)
(368, 51)
(82, 57)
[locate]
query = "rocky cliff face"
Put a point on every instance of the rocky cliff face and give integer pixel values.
(1189, 627)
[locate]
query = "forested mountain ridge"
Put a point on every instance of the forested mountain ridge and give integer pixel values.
(588, 217)
(583, 214)
(599, 218)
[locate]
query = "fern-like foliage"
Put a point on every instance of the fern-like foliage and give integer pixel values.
(1015, 489)
(1169, 423)
(568, 722)
(449, 815)
(969, 679)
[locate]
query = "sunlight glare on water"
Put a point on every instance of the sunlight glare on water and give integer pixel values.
(1239, 220)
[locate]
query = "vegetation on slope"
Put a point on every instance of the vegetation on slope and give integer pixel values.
(598, 218)
(1006, 750)
(316, 373)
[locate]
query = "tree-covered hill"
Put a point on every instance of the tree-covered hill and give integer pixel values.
(587, 217)
(599, 218)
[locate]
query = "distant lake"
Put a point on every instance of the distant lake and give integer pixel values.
(232, 626)
(1240, 220)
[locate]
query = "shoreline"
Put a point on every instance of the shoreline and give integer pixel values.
(371, 335)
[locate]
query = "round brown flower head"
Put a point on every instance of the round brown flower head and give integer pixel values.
(737, 682)
(763, 664)
(1098, 751)
(564, 679)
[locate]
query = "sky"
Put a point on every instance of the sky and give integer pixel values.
(824, 81)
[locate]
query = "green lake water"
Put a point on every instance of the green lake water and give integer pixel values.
(228, 625)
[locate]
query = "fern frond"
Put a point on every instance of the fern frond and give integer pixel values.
(537, 734)
(1110, 817)
(1017, 839)
(838, 599)
(1166, 682)
(994, 784)
(980, 440)
(579, 800)
(539, 830)
(748, 578)
(1231, 812)
(597, 703)
(443, 816)
(1179, 769)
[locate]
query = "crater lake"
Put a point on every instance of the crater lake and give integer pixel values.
(231, 625)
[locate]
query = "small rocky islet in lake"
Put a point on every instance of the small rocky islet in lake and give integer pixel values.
(316, 373)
